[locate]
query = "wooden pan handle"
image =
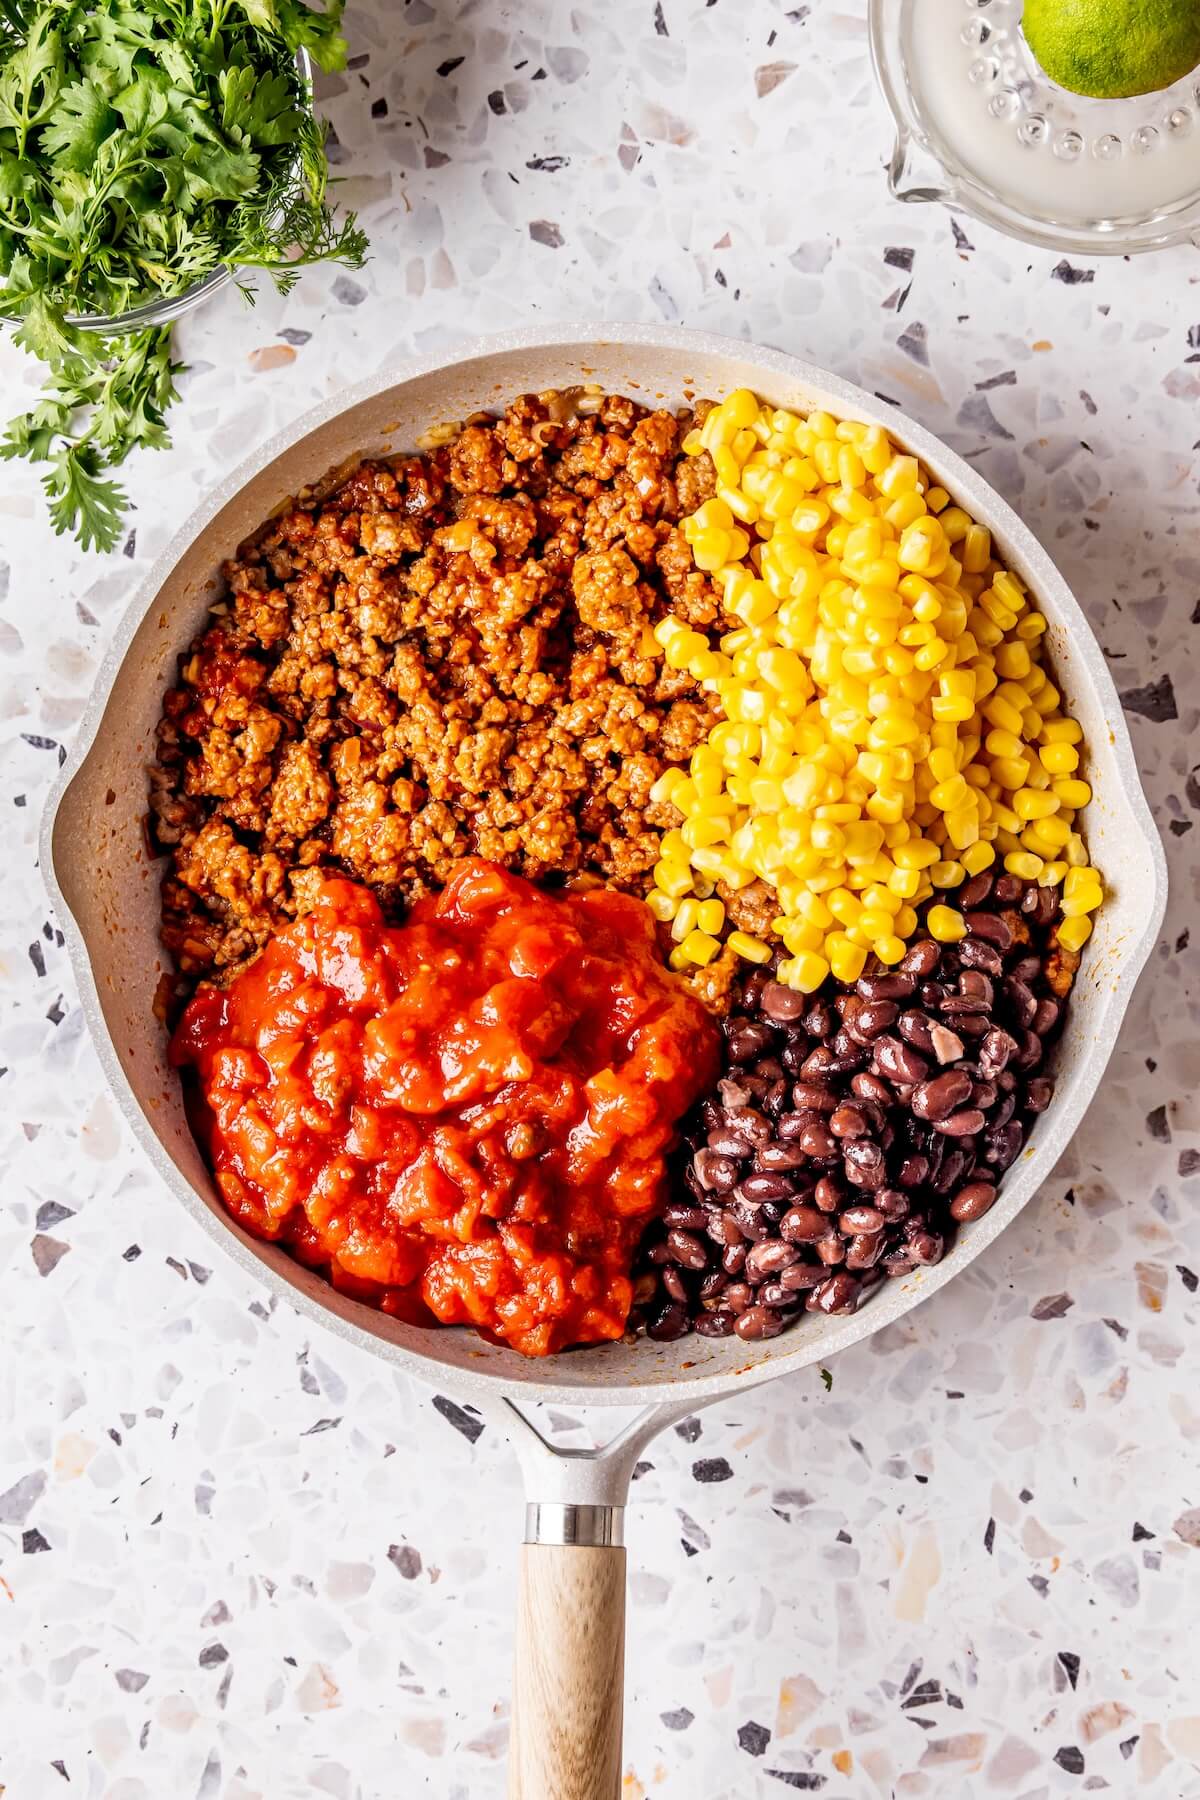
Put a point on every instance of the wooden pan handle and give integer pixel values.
(568, 1684)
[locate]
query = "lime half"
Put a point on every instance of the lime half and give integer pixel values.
(1110, 49)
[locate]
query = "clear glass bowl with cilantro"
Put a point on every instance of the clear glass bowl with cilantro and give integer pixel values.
(150, 150)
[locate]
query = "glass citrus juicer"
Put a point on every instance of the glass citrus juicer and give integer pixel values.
(981, 127)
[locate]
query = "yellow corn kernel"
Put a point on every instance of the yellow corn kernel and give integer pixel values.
(977, 549)
(1059, 759)
(1000, 712)
(977, 857)
(685, 919)
(1083, 900)
(1071, 793)
(948, 874)
(899, 477)
(1053, 874)
(661, 905)
(699, 948)
(1028, 803)
(1024, 864)
(710, 916)
(1073, 934)
(904, 882)
(804, 972)
(846, 958)
(751, 948)
(1052, 830)
(946, 925)
(936, 498)
(673, 878)
(1062, 731)
(889, 948)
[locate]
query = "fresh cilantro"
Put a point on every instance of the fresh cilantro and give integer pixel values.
(827, 1377)
(145, 144)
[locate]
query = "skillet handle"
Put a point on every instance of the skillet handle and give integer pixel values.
(569, 1676)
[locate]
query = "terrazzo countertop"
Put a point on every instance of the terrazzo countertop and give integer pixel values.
(239, 1559)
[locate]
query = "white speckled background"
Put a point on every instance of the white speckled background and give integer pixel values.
(239, 1561)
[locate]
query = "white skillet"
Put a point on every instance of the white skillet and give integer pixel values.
(567, 1710)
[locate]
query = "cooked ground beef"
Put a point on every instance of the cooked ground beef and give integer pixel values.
(447, 654)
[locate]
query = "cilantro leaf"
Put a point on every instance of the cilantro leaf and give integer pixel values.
(80, 501)
(82, 120)
(258, 106)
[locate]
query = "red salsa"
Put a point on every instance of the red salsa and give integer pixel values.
(464, 1118)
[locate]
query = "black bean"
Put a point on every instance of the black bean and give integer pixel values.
(860, 1219)
(916, 1030)
(972, 1201)
(1006, 890)
(747, 1124)
(898, 1061)
(715, 1324)
(780, 1156)
(1027, 969)
(973, 984)
(975, 891)
(831, 1249)
(687, 1250)
(813, 1096)
(817, 1064)
(818, 1142)
(992, 926)
(892, 984)
(848, 1121)
(995, 1051)
(984, 1095)
(1046, 910)
(892, 1203)
(733, 1259)
(1039, 1093)
(802, 1275)
(782, 1004)
(838, 1294)
(914, 1171)
(769, 1185)
(865, 1250)
(690, 1218)
(1021, 1000)
(954, 1167)
(734, 1093)
(828, 1194)
(977, 953)
(1030, 1052)
(1046, 1017)
(922, 958)
(925, 1248)
(972, 1024)
(961, 1124)
(871, 1088)
(746, 1218)
(768, 1259)
(728, 1144)
(1005, 1110)
(747, 1039)
(1002, 1145)
(738, 1296)
(869, 1018)
(672, 1280)
(803, 1224)
(713, 1284)
(759, 1322)
(668, 1324)
(939, 1097)
(723, 1228)
(946, 1045)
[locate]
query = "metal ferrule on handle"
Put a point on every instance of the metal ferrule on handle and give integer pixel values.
(563, 1522)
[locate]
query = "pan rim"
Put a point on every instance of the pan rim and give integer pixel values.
(760, 1362)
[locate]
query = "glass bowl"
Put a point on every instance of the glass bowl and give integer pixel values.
(980, 127)
(165, 309)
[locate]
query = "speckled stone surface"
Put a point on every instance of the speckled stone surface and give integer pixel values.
(239, 1560)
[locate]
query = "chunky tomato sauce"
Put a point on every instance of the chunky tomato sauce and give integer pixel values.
(464, 1118)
